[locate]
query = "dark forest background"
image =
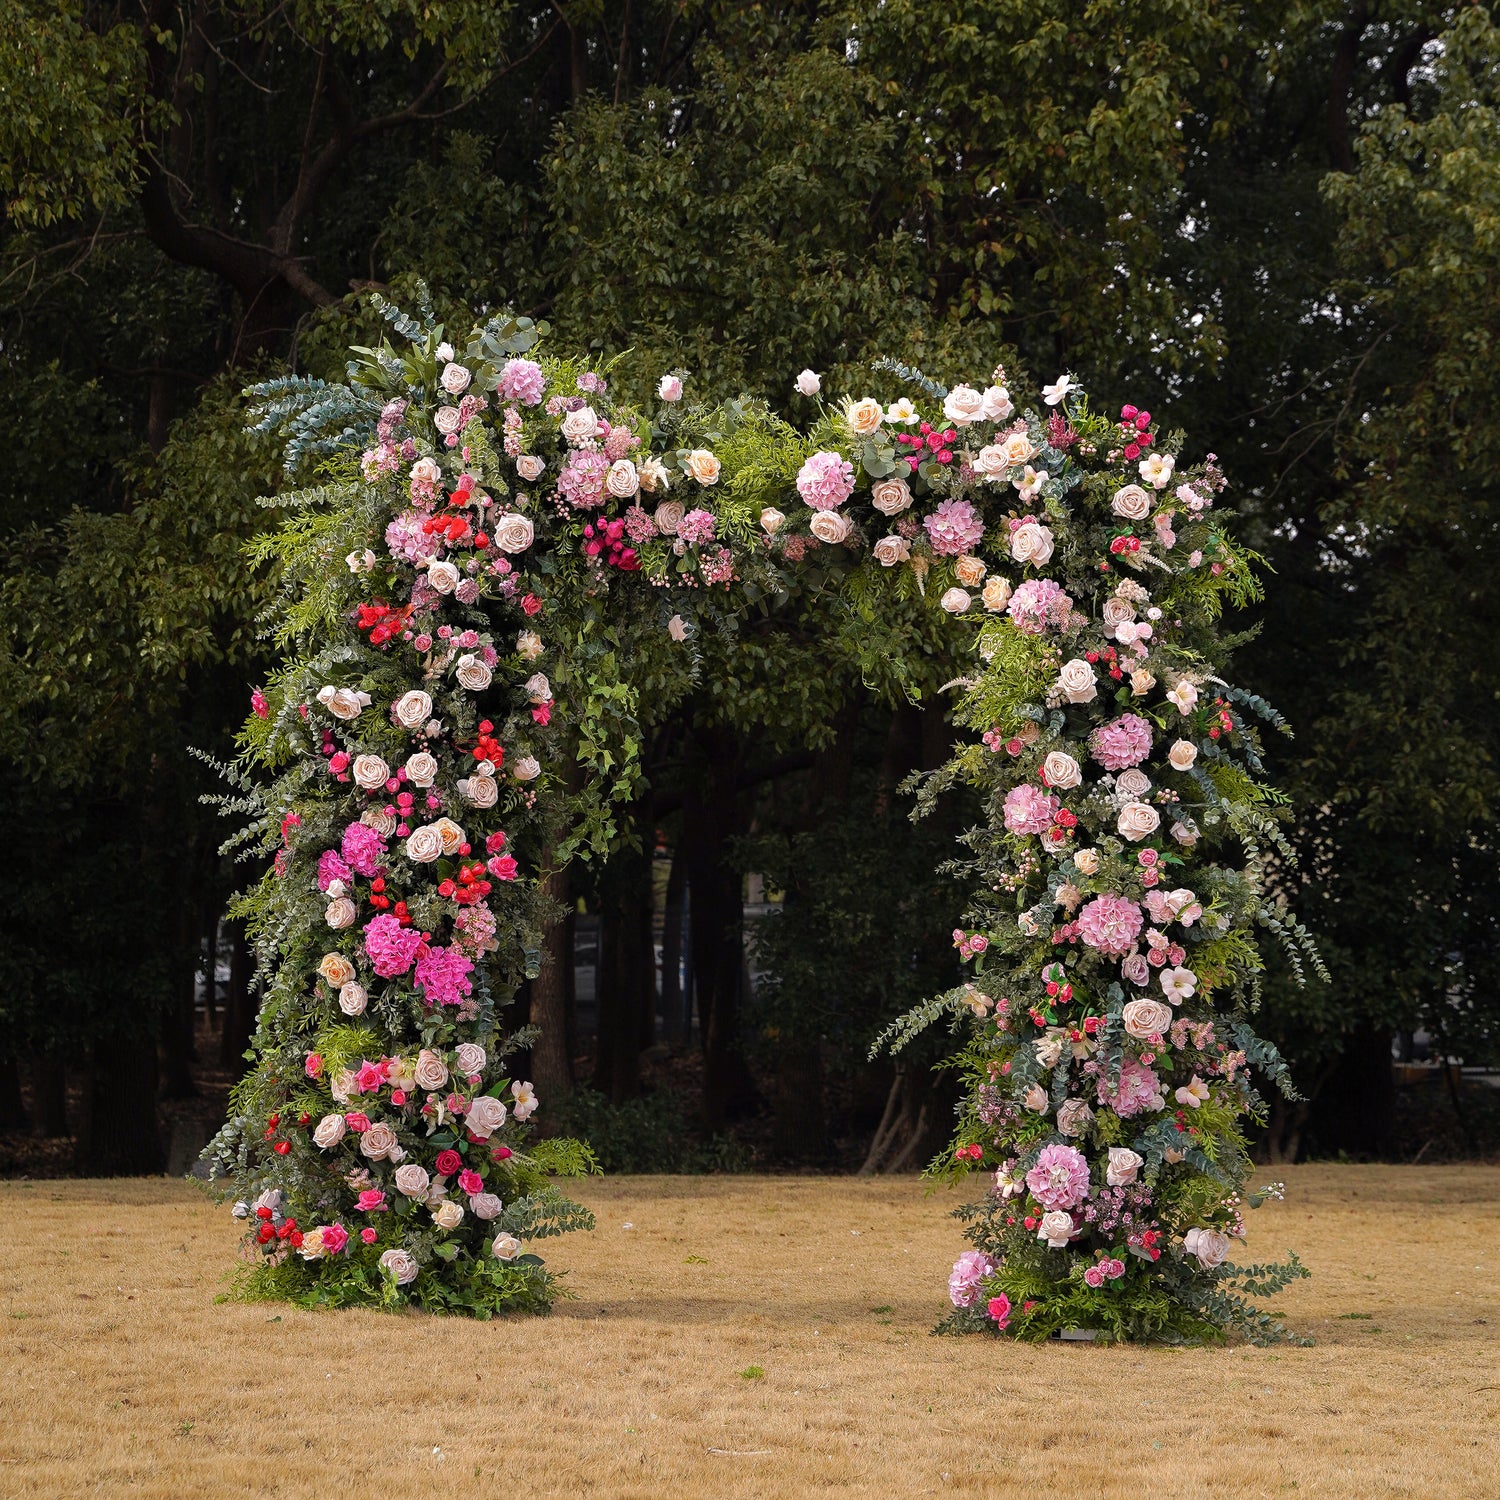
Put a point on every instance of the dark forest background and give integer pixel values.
(1274, 224)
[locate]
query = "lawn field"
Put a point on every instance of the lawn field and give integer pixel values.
(746, 1336)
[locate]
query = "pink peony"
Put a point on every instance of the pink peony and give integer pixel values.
(443, 976)
(1111, 924)
(1139, 1090)
(1028, 809)
(362, 848)
(826, 480)
(954, 528)
(392, 948)
(1060, 1178)
(522, 380)
(968, 1271)
(1123, 743)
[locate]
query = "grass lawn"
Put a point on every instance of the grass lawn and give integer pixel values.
(744, 1336)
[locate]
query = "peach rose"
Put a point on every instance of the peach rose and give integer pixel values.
(421, 769)
(1145, 1019)
(336, 969)
(485, 1116)
(1132, 502)
(472, 673)
(455, 379)
(1086, 861)
(1031, 543)
(1060, 770)
(370, 772)
(530, 467)
(890, 550)
(431, 1072)
(480, 791)
(703, 466)
(413, 709)
(996, 595)
(669, 516)
(448, 1214)
(1137, 820)
(969, 571)
(1182, 755)
(831, 526)
(506, 1247)
(864, 416)
(1018, 449)
(443, 576)
(1116, 612)
(344, 703)
(514, 532)
(1209, 1245)
(1123, 1166)
(771, 520)
(378, 1141)
(956, 601)
(450, 833)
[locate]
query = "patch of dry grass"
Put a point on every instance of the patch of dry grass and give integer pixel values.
(122, 1375)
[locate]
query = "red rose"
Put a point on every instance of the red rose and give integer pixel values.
(448, 1163)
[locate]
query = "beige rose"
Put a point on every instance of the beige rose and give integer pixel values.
(329, 1132)
(1186, 834)
(703, 466)
(538, 689)
(400, 1265)
(527, 768)
(469, 1058)
(353, 998)
(890, 550)
(1060, 770)
(342, 1084)
(421, 769)
(1086, 861)
(622, 481)
(506, 1247)
(1132, 502)
(1031, 543)
(381, 819)
(1123, 1166)
(1056, 1228)
(431, 1072)
(996, 595)
(963, 405)
(485, 1206)
(1145, 1019)
(991, 462)
(578, 426)
(1116, 611)
(1018, 449)
(1035, 1098)
(1137, 820)
(443, 576)
(969, 571)
(426, 472)
(336, 969)
(771, 520)
(311, 1247)
(455, 379)
(341, 913)
(864, 416)
(1142, 681)
(530, 467)
(413, 709)
(668, 516)
(480, 791)
(450, 833)
(956, 601)
(1133, 784)
(514, 532)
(1209, 1245)
(424, 846)
(344, 703)
(1074, 1117)
(370, 772)
(891, 496)
(472, 673)
(1182, 755)
(378, 1141)
(830, 526)
(485, 1116)
(1077, 682)
(448, 1215)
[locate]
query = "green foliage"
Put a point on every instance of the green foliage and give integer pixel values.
(650, 1133)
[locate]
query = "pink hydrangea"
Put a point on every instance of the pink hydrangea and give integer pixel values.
(1122, 743)
(522, 380)
(392, 948)
(362, 848)
(695, 527)
(1038, 603)
(1028, 809)
(331, 868)
(1060, 1178)
(954, 527)
(581, 482)
(1111, 924)
(405, 539)
(474, 930)
(443, 976)
(968, 1271)
(826, 480)
(1138, 1092)
(639, 526)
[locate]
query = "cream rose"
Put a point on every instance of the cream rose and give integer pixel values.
(1056, 1228)
(382, 819)
(1018, 449)
(421, 769)
(400, 1265)
(1182, 755)
(378, 1141)
(353, 998)
(1116, 612)
(1209, 1245)
(1142, 681)
(450, 833)
(1133, 784)
(485, 1116)
(341, 913)
(345, 703)
(830, 526)
(891, 496)
(514, 532)
(443, 576)
(330, 1132)
(311, 1247)
(530, 467)
(1077, 682)
(808, 383)
(370, 772)
(1031, 543)
(413, 709)
(703, 466)
(412, 1180)
(506, 1247)
(1137, 820)
(1074, 1117)
(426, 472)
(455, 379)
(480, 791)
(668, 516)
(528, 768)
(963, 405)
(890, 550)
(424, 846)
(996, 595)
(771, 520)
(578, 426)
(431, 1072)
(469, 1058)
(1060, 770)
(336, 969)
(1035, 1098)
(472, 673)
(991, 462)
(969, 571)
(485, 1206)
(956, 601)
(997, 404)
(538, 689)
(622, 481)
(448, 1214)
(1123, 1166)
(1133, 503)
(528, 645)
(1145, 1019)
(864, 416)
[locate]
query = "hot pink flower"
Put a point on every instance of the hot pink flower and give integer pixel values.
(470, 1182)
(357, 1122)
(443, 976)
(369, 1236)
(371, 1201)
(335, 1237)
(1028, 809)
(370, 1078)
(1111, 924)
(259, 705)
(392, 948)
(362, 848)
(999, 1310)
(330, 868)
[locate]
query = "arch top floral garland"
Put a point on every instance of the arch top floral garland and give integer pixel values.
(476, 512)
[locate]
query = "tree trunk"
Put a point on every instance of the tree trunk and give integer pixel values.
(12, 1110)
(627, 980)
(551, 1061)
(49, 1099)
(121, 1137)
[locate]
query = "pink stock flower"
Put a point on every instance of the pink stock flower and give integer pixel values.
(826, 480)
(1124, 742)
(954, 528)
(696, 527)
(259, 705)
(1060, 1178)
(968, 1271)
(1029, 810)
(1111, 924)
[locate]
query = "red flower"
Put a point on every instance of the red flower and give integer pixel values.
(447, 1163)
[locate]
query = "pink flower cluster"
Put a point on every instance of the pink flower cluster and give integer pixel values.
(443, 976)
(954, 527)
(696, 527)
(362, 849)
(1111, 924)
(581, 482)
(474, 930)
(826, 480)
(1138, 1091)
(968, 1271)
(1060, 1178)
(392, 948)
(405, 539)
(522, 380)
(1038, 603)
(331, 868)
(1029, 810)
(1122, 743)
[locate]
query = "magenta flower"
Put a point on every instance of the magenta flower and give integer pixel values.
(968, 1271)
(1111, 924)
(362, 848)
(1060, 1178)
(259, 705)
(954, 527)
(391, 947)
(826, 480)
(335, 1237)
(1123, 743)
(1028, 809)
(371, 1201)
(443, 976)
(331, 868)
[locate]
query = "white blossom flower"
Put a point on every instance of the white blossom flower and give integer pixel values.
(1054, 393)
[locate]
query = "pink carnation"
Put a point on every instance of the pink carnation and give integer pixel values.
(1028, 809)
(1139, 1090)
(581, 482)
(1060, 1178)
(331, 868)
(954, 527)
(392, 948)
(362, 848)
(826, 480)
(1124, 742)
(522, 380)
(1037, 603)
(968, 1271)
(1111, 924)
(443, 976)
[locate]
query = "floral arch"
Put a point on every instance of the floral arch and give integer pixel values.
(476, 517)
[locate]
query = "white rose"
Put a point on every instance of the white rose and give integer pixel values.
(469, 1058)
(528, 645)
(353, 997)
(514, 532)
(472, 673)
(538, 689)
(421, 769)
(1183, 697)
(956, 601)
(622, 481)
(703, 466)
(413, 709)
(1123, 1166)
(963, 405)
(669, 388)
(1056, 1228)
(1077, 682)
(480, 791)
(996, 595)
(412, 1180)
(448, 1214)
(370, 772)
(668, 516)
(1060, 770)
(431, 1071)
(830, 526)
(808, 383)
(864, 416)
(446, 419)
(1031, 543)
(530, 467)
(455, 379)
(443, 576)
(1145, 1019)
(771, 520)
(485, 1206)
(330, 1132)
(485, 1116)
(1133, 784)
(1086, 861)
(506, 1247)
(343, 703)
(992, 463)
(424, 846)
(1209, 1245)
(890, 550)
(378, 1141)
(426, 472)
(580, 425)
(1137, 820)
(401, 1265)
(1133, 503)
(1141, 682)
(997, 404)
(1182, 755)
(341, 914)
(891, 496)
(527, 768)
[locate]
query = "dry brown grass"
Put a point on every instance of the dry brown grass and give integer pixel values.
(122, 1375)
